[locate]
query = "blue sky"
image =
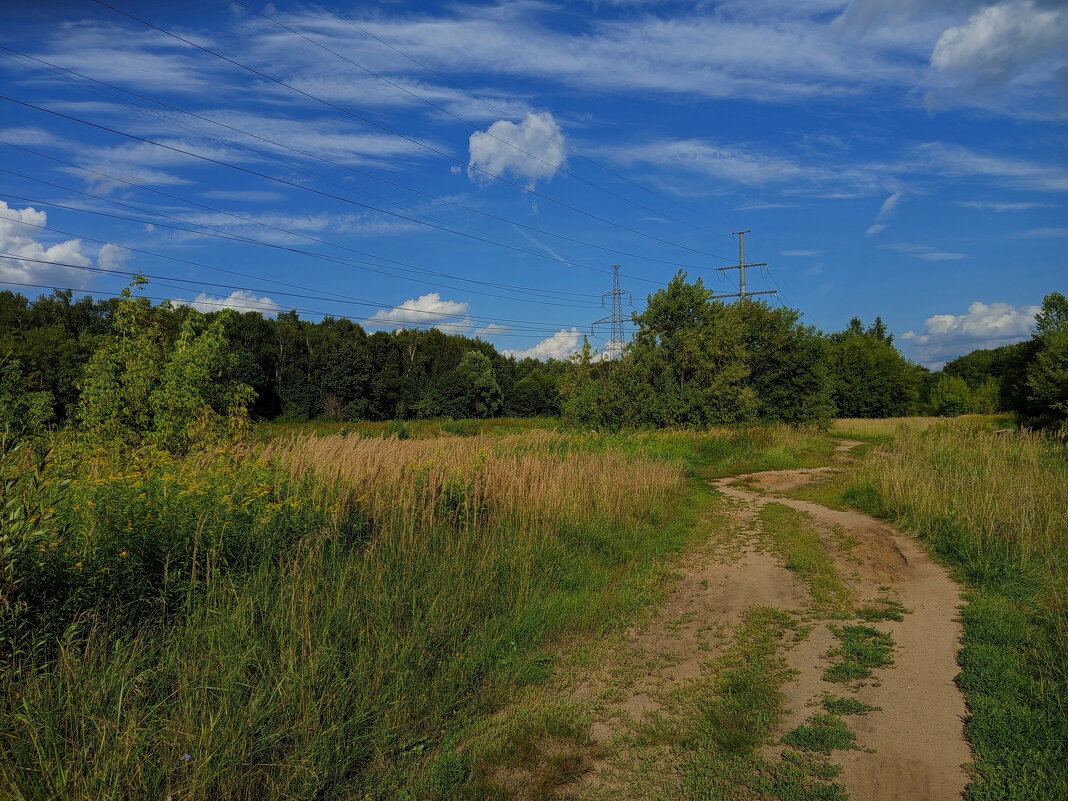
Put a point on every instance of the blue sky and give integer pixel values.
(480, 166)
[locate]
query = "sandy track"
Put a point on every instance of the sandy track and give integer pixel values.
(913, 749)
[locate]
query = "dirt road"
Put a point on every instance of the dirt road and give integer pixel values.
(911, 748)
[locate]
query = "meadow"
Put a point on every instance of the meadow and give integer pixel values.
(336, 611)
(313, 615)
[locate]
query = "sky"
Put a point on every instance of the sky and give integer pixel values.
(481, 166)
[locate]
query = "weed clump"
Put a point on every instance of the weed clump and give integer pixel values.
(862, 649)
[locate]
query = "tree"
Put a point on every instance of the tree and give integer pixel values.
(787, 364)
(21, 410)
(1047, 375)
(139, 389)
(196, 399)
(470, 390)
(950, 397)
(869, 377)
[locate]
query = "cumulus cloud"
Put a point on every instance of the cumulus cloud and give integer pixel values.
(561, 345)
(984, 325)
(16, 240)
(530, 151)
(429, 309)
(886, 213)
(1015, 43)
(240, 300)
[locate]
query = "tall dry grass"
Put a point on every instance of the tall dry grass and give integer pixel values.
(1008, 490)
(530, 484)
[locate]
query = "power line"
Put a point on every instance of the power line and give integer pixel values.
(319, 176)
(290, 184)
(526, 325)
(243, 218)
(405, 137)
(335, 295)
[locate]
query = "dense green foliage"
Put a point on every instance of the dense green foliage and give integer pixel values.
(697, 361)
(1029, 378)
(298, 370)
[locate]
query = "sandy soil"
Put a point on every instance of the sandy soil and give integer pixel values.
(911, 750)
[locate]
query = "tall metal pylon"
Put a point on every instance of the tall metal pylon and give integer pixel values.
(740, 267)
(614, 348)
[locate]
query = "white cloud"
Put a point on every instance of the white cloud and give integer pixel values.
(956, 161)
(456, 327)
(885, 214)
(245, 195)
(112, 257)
(934, 255)
(429, 309)
(561, 345)
(1004, 48)
(801, 252)
(1043, 233)
(982, 326)
(240, 300)
(18, 241)
(531, 151)
(993, 205)
(925, 252)
(492, 329)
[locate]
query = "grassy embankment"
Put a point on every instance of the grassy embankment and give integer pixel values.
(992, 506)
(321, 616)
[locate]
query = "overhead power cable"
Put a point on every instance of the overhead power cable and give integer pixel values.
(335, 295)
(405, 137)
(252, 221)
(293, 184)
(314, 157)
(534, 326)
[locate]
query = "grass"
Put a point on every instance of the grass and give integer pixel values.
(794, 536)
(862, 649)
(991, 506)
(328, 616)
(823, 732)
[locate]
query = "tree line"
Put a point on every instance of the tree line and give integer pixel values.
(694, 361)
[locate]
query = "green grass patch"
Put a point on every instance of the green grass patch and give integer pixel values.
(822, 732)
(794, 536)
(862, 649)
(884, 609)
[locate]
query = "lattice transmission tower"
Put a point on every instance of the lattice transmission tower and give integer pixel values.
(614, 348)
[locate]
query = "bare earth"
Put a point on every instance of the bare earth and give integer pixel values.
(912, 750)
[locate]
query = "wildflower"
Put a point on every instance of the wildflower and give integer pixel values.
(77, 564)
(124, 554)
(186, 757)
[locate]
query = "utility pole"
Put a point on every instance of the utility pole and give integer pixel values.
(741, 267)
(614, 349)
